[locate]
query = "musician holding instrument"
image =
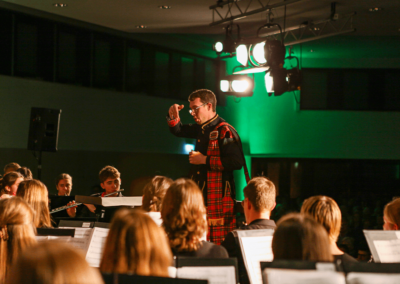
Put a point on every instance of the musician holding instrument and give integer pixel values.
(110, 181)
(64, 187)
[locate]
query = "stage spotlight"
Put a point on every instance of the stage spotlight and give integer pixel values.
(224, 85)
(294, 77)
(259, 53)
(279, 81)
(218, 47)
(242, 54)
(237, 85)
(269, 83)
(275, 53)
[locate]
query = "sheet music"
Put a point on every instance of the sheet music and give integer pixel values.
(95, 250)
(254, 250)
(59, 238)
(388, 250)
(287, 276)
(214, 274)
(372, 278)
(81, 239)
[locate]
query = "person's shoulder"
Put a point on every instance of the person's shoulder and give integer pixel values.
(260, 224)
(212, 250)
(345, 258)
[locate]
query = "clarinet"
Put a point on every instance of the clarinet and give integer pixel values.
(58, 209)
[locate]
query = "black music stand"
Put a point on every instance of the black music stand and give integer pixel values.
(129, 279)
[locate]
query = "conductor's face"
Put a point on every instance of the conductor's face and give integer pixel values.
(111, 185)
(200, 111)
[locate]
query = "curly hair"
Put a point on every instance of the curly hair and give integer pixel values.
(183, 214)
(154, 193)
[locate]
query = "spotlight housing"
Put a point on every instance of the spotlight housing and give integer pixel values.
(242, 54)
(237, 85)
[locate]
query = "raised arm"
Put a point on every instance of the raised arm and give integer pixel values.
(175, 125)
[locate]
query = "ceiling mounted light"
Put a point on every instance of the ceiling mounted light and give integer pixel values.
(259, 53)
(375, 9)
(237, 85)
(60, 5)
(242, 54)
(164, 7)
(218, 47)
(269, 83)
(141, 27)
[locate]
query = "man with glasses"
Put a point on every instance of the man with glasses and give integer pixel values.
(217, 154)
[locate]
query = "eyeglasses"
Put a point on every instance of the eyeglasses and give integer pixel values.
(191, 111)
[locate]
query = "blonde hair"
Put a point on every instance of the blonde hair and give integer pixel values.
(261, 193)
(154, 192)
(392, 212)
(299, 237)
(325, 211)
(53, 263)
(17, 231)
(8, 180)
(135, 244)
(183, 214)
(35, 193)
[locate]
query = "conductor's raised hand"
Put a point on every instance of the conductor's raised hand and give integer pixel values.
(174, 111)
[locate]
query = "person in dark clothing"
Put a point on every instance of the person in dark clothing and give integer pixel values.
(325, 211)
(259, 201)
(184, 221)
(217, 154)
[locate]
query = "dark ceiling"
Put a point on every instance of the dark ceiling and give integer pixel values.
(194, 16)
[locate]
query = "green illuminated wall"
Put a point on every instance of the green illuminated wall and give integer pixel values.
(276, 127)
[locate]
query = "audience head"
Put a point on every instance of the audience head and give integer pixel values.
(391, 215)
(135, 244)
(64, 184)
(26, 172)
(298, 237)
(154, 192)
(53, 263)
(110, 179)
(35, 193)
(260, 194)
(325, 211)
(10, 182)
(16, 231)
(11, 167)
(183, 214)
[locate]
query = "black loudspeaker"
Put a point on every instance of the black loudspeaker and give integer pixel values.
(43, 129)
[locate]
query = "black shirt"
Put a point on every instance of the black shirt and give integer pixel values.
(231, 243)
(207, 250)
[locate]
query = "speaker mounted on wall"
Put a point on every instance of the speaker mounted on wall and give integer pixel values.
(43, 129)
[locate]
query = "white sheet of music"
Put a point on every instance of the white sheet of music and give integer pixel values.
(254, 250)
(372, 278)
(388, 250)
(287, 276)
(214, 274)
(95, 250)
(58, 238)
(81, 239)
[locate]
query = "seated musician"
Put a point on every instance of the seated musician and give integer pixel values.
(110, 181)
(64, 188)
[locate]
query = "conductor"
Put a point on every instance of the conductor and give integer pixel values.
(217, 154)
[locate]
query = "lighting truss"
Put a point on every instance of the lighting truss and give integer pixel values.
(341, 24)
(236, 10)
